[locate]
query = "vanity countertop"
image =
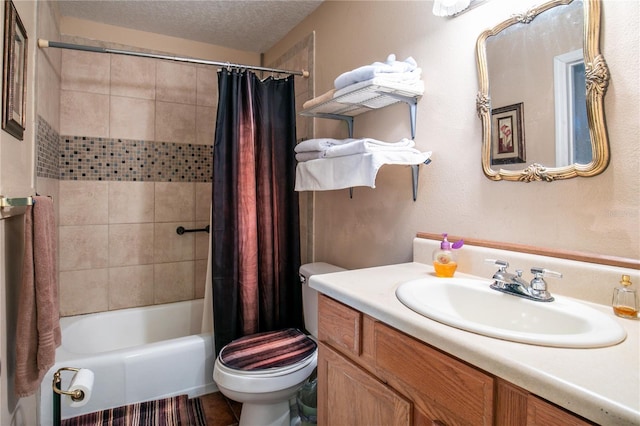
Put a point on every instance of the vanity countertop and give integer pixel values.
(601, 384)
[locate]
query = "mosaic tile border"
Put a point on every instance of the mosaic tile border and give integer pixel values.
(91, 158)
(47, 155)
(86, 158)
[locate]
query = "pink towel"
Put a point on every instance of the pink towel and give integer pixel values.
(38, 328)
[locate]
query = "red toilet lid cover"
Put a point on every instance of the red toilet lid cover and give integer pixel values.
(271, 349)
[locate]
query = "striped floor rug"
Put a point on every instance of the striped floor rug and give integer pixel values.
(175, 411)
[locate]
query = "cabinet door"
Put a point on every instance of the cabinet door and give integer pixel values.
(348, 395)
(543, 413)
(515, 406)
(443, 389)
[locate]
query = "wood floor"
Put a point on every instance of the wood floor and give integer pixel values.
(219, 410)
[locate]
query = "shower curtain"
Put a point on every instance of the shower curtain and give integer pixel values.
(255, 220)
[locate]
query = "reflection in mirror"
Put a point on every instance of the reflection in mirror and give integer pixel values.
(537, 69)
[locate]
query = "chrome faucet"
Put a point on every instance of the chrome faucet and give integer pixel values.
(514, 284)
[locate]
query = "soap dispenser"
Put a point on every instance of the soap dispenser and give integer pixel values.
(625, 299)
(444, 259)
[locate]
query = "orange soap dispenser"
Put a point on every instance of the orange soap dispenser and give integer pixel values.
(444, 259)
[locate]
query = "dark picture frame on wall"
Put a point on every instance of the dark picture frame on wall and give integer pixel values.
(14, 73)
(507, 135)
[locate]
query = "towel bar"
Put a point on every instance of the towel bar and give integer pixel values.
(15, 202)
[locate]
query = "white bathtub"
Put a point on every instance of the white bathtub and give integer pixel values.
(136, 355)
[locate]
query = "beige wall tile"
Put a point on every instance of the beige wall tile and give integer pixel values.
(132, 118)
(133, 77)
(173, 282)
(200, 278)
(131, 202)
(130, 244)
(175, 82)
(201, 242)
(174, 201)
(83, 292)
(85, 71)
(130, 286)
(205, 125)
(83, 247)
(168, 246)
(207, 86)
(84, 114)
(203, 201)
(48, 86)
(175, 122)
(83, 203)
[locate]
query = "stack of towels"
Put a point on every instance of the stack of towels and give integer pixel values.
(395, 75)
(391, 70)
(326, 164)
(314, 149)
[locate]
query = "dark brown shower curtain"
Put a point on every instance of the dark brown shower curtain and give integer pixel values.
(255, 219)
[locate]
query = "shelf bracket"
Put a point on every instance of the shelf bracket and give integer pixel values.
(415, 170)
(412, 102)
(346, 118)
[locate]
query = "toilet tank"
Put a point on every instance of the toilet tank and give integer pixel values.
(310, 296)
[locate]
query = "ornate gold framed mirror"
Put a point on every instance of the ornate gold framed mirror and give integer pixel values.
(542, 82)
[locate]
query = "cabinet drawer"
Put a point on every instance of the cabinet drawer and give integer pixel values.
(443, 388)
(339, 325)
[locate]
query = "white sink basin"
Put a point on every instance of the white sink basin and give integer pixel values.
(469, 304)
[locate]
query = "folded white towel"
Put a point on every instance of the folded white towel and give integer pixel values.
(361, 146)
(367, 72)
(327, 148)
(351, 170)
(319, 144)
(309, 155)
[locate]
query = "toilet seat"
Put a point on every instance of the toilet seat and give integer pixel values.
(268, 354)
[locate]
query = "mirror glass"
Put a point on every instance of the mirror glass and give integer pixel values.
(542, 82)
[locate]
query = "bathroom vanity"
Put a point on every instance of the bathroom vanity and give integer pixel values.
(382, 363)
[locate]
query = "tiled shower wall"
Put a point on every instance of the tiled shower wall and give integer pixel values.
(133, 159)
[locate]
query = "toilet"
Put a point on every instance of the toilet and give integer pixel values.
(264, 371)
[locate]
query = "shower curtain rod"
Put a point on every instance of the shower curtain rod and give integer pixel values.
(46, 43)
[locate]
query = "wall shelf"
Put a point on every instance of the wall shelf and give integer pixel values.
(363, 97)
(346, 105)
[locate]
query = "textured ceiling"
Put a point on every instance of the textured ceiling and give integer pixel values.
(249, 25)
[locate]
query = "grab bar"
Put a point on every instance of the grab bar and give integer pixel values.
(180, 230)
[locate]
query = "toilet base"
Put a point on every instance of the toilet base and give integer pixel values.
(277, 414)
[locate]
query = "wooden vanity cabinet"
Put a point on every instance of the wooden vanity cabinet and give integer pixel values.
(371, 374)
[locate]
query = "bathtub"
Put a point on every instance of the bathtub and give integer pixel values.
(136, 354)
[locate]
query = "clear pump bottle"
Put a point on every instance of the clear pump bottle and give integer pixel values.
(625, 299)
(444, 259)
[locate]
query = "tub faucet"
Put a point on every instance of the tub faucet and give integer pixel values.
(514, 284)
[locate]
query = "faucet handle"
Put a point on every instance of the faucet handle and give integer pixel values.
(539, 272)
(538, 285)
(503, 264)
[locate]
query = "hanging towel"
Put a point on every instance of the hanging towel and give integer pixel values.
(38, 325)
(351, 170)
